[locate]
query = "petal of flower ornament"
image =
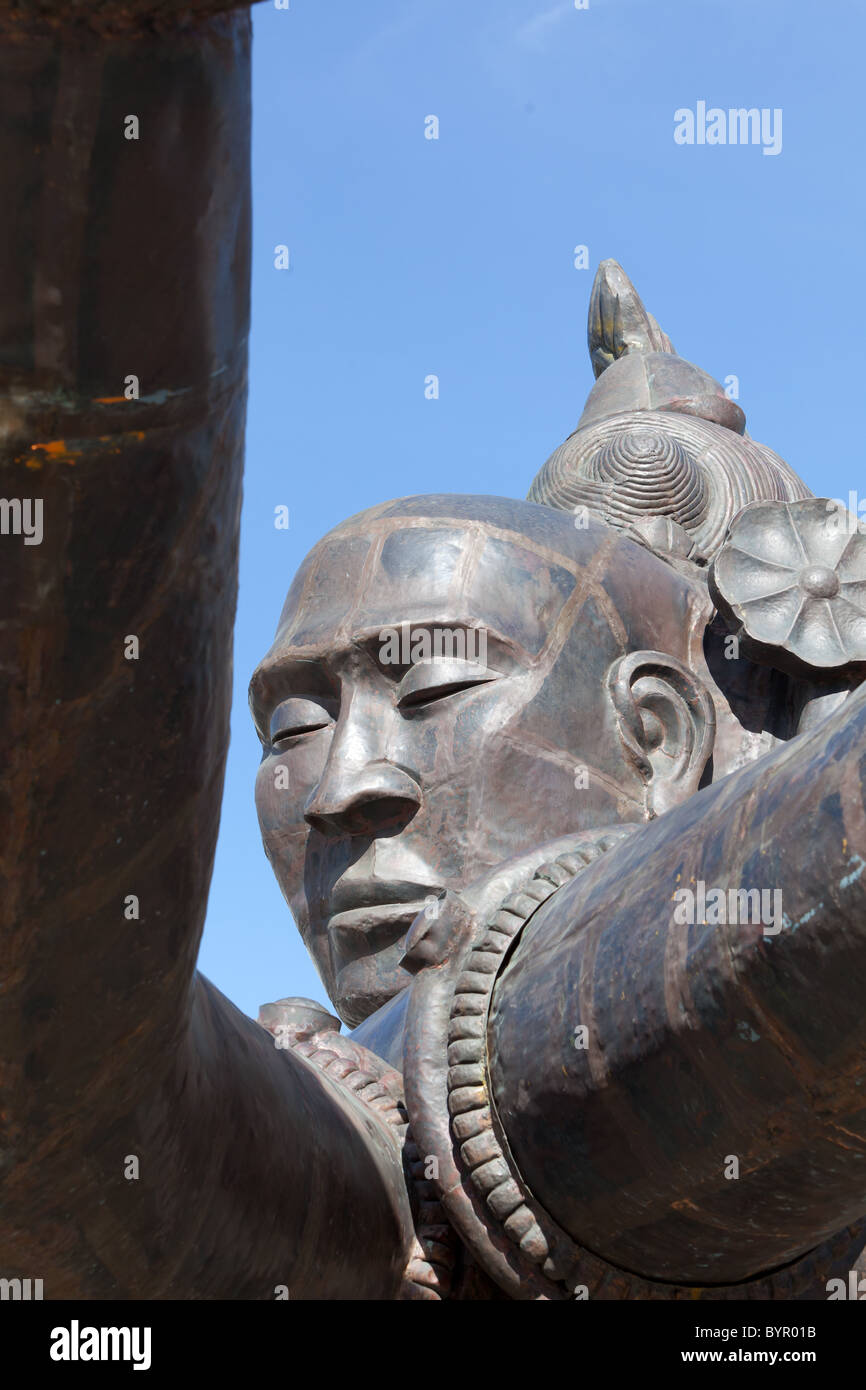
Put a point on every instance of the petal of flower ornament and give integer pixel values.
(792, 577)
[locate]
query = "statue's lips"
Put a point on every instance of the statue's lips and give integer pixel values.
(349, 894)
(374, 912)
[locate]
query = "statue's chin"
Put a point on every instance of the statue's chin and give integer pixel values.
(365, 985)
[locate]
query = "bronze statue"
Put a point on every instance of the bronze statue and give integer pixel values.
(566, 795)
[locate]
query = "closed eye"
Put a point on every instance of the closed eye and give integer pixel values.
(296, 717)
(427, 681)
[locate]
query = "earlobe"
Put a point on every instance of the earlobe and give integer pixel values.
(667, 724)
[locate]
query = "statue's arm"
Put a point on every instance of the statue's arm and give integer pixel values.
(717, 1101)
(154, 1140)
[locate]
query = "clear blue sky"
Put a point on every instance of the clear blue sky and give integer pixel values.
(454, 256)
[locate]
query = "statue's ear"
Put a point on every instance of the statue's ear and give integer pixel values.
(667, 723)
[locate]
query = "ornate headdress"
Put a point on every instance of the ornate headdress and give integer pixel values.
(661, 451)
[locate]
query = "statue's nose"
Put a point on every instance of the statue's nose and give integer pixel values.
(374, 799)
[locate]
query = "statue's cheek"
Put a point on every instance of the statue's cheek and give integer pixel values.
(284, 783)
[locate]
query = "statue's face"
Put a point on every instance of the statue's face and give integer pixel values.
(393, 767)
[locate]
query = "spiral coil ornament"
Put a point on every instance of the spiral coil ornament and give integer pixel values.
(645, 464)
(646, 473)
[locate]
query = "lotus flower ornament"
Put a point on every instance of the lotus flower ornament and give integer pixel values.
(792, 576)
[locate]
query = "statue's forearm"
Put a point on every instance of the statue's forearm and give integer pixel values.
(155, 1141)
(244, 1173)
(123, 321)
(717, 1100)
(298, 1182)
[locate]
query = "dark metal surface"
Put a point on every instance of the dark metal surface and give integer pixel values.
(704, 1041)
(109, 19)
